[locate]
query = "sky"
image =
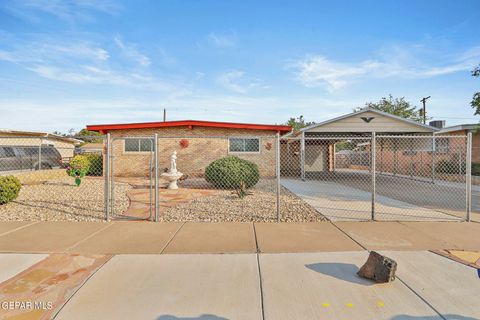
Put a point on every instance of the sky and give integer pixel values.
(66, 64)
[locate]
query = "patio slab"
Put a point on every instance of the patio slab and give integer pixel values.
(391, 236)
(302, 237)
(222, 237)
(9, 226)
(450, 287)
(167, 287)
(47, 237)
(14, 263)
(325, 286)
(129, 237)
(458, 235)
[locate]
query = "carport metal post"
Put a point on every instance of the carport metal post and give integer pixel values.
(302, 157)
(469, 175)
(155, 142)
(40, 155)
(373, 157)
(107, 178)
(277, 169)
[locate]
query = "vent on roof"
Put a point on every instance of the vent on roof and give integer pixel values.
(440, 124)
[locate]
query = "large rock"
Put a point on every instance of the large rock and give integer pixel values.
(378, 268)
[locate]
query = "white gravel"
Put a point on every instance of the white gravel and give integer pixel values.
(259, 207)
(62, 200)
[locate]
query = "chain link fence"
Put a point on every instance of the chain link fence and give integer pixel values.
(230, 178)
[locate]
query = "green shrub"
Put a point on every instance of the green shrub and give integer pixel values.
(96, 164)
(231, 171)
(9, 188)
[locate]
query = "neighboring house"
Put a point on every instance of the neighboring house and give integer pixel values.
(64, 145)
(464, 129)
(197, 143)
(90, 147)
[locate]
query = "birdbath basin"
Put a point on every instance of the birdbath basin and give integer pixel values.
(172, 178)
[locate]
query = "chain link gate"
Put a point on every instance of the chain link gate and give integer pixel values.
(131, 161)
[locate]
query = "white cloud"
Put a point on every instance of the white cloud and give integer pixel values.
(318, 70)
(222, 40)
(130, 51)
(71, 11)
(236, 82)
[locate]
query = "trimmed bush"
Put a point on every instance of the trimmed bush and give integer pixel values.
(96, 164)
(231, 171)
(9, 188)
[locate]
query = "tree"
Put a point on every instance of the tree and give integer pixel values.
(396, 106)
(89, 136)
(476, 96)
(298, 123)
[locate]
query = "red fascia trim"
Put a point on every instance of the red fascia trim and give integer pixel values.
(189, 123)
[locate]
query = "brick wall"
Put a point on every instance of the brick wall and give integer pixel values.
(204, 146)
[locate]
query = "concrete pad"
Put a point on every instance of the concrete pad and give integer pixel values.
(47, 237)
(12, 263)
(390, 236)
(129, 237)
(450, 287)
(456, 235)
(224, 237)
(302, 237)
(167, 287)
(10, 226)
(339, 202)
(325, 286)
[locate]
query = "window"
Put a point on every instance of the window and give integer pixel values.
(442, 145)
(138, 145)
(244, 145)
(8, 152)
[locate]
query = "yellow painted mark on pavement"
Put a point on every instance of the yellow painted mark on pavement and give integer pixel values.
(469, 256)
(380, 303)
(349, 305)
(326, 304)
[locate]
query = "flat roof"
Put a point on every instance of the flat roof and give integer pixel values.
(104, 128)
(460, 127)
(40, 134)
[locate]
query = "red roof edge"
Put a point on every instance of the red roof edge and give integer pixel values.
(104, 128)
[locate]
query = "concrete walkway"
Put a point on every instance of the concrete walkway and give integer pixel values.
(153, 238)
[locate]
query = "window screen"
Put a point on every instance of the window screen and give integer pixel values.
(244, 145)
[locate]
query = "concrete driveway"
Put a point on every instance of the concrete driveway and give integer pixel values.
(348, 198)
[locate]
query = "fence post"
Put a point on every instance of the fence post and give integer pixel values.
(40, 155)
(277, 168)
(469, 175)
(107, 178)
(373, 150)
(156, 176)
(434, 150)
(112, 178)
(302, 157)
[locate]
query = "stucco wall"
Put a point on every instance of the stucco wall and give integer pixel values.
(204, 146)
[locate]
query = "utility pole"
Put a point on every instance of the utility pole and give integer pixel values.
(424, 110)
(164, 114)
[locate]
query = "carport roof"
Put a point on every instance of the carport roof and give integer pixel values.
(421, 126)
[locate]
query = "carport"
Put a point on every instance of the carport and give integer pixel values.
(374, 165)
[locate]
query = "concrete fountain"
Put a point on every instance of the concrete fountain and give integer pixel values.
(173, 174)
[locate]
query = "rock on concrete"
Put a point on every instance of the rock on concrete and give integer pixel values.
(378, 268)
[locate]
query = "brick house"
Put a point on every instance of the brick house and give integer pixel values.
(197, 143)
(464, 129)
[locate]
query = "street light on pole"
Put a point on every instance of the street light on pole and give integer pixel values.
(424, 110)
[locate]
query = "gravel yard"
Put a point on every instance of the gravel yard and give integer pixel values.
(259, 207)
(62, 200)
